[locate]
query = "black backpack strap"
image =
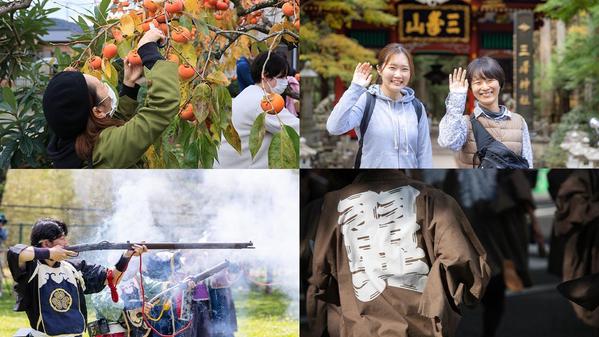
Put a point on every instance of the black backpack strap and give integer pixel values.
(482, 137)
(368, 109)
(418, 108)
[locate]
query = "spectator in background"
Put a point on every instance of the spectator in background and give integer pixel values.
(244, 74)
(3, 237)
(292, 91)
(3, 231)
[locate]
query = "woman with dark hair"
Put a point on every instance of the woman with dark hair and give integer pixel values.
(388, 118)
(456, 130)
(271, 78)
(92, 127)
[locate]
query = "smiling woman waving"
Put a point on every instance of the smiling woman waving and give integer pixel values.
(390, 121)
(492, 130)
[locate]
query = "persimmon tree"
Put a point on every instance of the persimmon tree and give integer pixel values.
(206, 38)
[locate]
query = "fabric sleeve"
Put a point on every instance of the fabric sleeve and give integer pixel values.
(575, 204)
(347, 114)
(526, 145)
(123, 146)
(12, 257)
(94, 275)
(459, 259)
(324, 269)
(244, 74)
(425, 152)
(149, 54)
(3, 234)
(126, 109)
(453, 127)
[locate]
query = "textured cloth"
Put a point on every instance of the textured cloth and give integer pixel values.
(149, 54)
(398, 257)
(123, 146)
(93, 277)
(246, 107)
(577, 221)
(395, 138)
(455, 129)
(244, 74)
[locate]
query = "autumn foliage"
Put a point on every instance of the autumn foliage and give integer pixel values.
(206, 38)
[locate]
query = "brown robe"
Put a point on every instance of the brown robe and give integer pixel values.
(577, 221)
(396, 257)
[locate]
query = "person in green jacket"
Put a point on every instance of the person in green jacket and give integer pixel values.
(93, 128)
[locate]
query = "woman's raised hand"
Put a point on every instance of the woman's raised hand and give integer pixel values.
(458, 82)
(363, 74)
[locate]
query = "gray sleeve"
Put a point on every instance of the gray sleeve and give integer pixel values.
(347, 114)
(526, 145)
(425, 152)
(453, 128)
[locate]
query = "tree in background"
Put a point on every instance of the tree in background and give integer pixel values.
(23, 134)
(205, 37)
(329, 52)
(575, 68)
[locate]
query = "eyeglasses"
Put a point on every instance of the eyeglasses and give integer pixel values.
(105, 98)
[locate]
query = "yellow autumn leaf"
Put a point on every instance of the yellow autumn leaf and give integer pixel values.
(189, 53)
(218, 78)
(106, 67)
(192, 7)
(127, 25)
(277, 27)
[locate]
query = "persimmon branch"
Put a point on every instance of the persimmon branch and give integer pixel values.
(14, 6)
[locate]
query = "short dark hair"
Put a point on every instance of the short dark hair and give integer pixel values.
(47, 229)
(485, 67)
(276, 66)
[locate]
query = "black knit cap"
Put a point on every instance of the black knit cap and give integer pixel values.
(66, 104)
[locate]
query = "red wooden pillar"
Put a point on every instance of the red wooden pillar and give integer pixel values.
(474, 45)
(339, 90)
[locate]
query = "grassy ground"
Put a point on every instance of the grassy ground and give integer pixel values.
(259, 315)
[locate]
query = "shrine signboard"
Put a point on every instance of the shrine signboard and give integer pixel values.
(439, 24)
(523, 64)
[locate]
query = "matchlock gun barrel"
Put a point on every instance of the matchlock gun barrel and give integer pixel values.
(105, 245)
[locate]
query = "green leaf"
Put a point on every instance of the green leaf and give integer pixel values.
(104, 6)
(9, 97)
(232, 137)
(26, 146)
(82, 24)
(170, 160)
(218, 78)
(124, 47)
(295, 138)
(192, 155)
(207, 151)
(257, 134)
(281, 153)
(224, 104)
(7, 153)
(201, 100)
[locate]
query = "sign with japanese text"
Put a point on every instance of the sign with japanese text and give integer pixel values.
(523, 64)
(445, 23)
